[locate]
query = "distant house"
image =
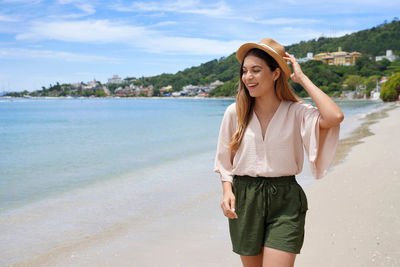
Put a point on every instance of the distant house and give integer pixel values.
(216, 83)
(389, 56)
(114, 79)
(178, 93)
(192, 90)
(310, 56)
(148, 91)
(338, 58)
(166, 90)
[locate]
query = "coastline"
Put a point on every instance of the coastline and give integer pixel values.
(358, 134)
(353, 212)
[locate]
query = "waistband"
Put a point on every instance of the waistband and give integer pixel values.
(258, 179)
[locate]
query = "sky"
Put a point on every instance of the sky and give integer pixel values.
(68, 41)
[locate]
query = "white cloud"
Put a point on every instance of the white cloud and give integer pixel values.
(84, 6)
(196, 46)
(22, 53)
(285, 21)
(5, 18)
(292, 35)
(97, 31)
(163, 24)
(104, 31)
(217, 9)
(22, 1)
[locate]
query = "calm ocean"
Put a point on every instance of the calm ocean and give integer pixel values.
(106, 160)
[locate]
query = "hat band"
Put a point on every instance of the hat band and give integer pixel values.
(270, 48)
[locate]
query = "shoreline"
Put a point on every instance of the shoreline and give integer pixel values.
(358, 135)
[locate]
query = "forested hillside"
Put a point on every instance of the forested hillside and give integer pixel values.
(366, 72)
(371, 42)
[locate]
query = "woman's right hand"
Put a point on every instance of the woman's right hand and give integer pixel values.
(228, 202)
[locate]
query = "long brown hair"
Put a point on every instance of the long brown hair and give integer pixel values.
(245, 103)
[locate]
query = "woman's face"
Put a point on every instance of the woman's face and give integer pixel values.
(258, 77)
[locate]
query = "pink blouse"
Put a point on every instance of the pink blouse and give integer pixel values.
(294, 127)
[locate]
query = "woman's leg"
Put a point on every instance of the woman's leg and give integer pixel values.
(252, 261)
(277, 258)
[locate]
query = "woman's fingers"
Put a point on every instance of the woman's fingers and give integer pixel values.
(228, 208)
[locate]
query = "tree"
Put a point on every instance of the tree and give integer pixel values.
(391, 88)
(156, 92)
(353, 81)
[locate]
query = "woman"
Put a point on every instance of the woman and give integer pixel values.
(260, 149)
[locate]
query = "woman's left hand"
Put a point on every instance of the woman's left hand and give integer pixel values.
(297, 74)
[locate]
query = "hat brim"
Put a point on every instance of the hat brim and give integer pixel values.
(242, 51)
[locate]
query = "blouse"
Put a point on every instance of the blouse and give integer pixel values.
(293, 128)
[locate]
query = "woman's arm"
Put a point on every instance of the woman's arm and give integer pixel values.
(331, 115)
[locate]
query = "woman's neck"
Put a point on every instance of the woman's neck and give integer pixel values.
(266, 104)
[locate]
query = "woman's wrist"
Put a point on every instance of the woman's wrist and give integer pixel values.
(227, 187)
(303, 80)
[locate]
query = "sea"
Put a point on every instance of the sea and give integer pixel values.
(71, 168)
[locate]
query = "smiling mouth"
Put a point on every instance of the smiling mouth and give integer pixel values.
(252, 85)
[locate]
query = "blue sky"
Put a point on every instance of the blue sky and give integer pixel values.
(42, 42)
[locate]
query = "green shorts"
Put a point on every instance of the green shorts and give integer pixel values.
(271, 213)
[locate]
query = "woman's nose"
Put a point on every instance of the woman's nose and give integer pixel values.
(249, 75)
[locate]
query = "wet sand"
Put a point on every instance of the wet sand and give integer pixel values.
(354, 212)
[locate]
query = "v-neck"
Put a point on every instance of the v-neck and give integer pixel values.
(269, 123)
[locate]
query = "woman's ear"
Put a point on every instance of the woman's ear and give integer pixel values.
(276, 74)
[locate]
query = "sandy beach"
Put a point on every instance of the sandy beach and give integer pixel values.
(353, 216)
(354, 212)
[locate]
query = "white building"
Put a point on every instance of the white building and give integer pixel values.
(114, 79)
(307, 58)
(215, 84)
(389, 56)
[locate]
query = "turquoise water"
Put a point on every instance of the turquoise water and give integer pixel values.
(50, 146)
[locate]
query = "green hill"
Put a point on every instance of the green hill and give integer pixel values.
(371, 42)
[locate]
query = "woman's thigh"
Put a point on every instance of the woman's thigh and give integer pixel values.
(277, 258)
(252, 261)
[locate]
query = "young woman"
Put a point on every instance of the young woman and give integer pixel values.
(261, 149)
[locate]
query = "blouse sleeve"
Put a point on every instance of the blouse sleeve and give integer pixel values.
(223, 158)
(309, 128)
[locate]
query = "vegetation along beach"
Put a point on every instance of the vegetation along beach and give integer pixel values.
(120, 173)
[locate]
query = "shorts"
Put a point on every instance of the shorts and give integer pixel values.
(271, 213)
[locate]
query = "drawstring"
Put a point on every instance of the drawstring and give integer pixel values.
(271, 190)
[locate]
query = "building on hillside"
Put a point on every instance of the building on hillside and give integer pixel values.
(338, 58)
(76, 85)
(192, 90)
(310, 56)
(115, 79)
(389, 56)
(375, 94)
(148, 91)
(166, 90)
(215, 84)
(92, 85)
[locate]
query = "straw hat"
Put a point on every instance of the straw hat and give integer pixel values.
(273, 48)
